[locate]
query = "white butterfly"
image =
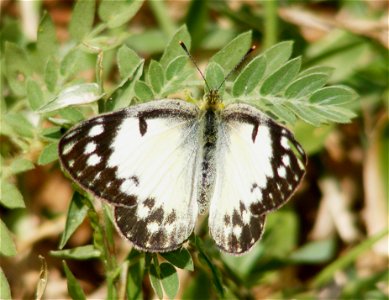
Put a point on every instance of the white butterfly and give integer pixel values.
(162, 163)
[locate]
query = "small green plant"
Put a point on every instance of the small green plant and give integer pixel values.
(46, 95)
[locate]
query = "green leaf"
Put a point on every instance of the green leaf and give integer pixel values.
(21, 165)
(305, 113)
(196, 20)
(75, 95)
(51, 75)
(135, 275)
(250, 76)
(10, 196)
(180, 258)
(177, 85)
(306, 85)
(77, 60)
(120, 13)
(281, 235)
(74, 289)
(316, 70)
(150, 41)
(156, 76)
(333, 113)
(333, 95)
(128, 62)
(34, 94)
(314, 252)
(282, 113)
(46, 40)
(82, 19)
(72, 114)
(5, 291)
(104, 43)
(277, 56)
(143, 91)
(48, 154)
(169, 279)
(173, 48)
(175, 67)
(81, 253)
(155, 281)
(124, 94)
(233, 52)
(51, 133)
(17, 68)
(19, 124)
(277, 81)
(214, 74)
(70, 62)
(7, 245)
(75, 216)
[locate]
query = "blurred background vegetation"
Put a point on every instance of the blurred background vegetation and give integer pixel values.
(329, 242)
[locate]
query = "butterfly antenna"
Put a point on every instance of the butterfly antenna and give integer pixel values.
(194, 62)
(253, 47)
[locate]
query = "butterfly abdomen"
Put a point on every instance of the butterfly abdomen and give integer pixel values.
(209, 138)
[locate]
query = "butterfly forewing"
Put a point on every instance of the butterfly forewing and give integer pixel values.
(259, 165)
(143, 161)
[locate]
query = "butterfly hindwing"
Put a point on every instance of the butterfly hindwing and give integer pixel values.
(142, 161)
(259, 165)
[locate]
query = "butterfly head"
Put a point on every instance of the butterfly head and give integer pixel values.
(212, 101)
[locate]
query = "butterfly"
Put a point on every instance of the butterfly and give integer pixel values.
(162, 163)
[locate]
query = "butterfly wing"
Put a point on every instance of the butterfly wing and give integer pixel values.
(141, 160)
(259, 165)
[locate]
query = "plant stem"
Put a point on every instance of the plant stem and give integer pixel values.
(270, 22)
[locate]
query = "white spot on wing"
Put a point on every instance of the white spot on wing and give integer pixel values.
(96, 130)
(300, 149)
(152, 227)
(89, 148)
(93, 160)
(246, 217)
(71, 134)
(284, 143)
(125, 187)
(281, 172)
(143, 211)
(286, 160)
(237, 230)
(68, 147)
(301, 165)
(169, 228)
